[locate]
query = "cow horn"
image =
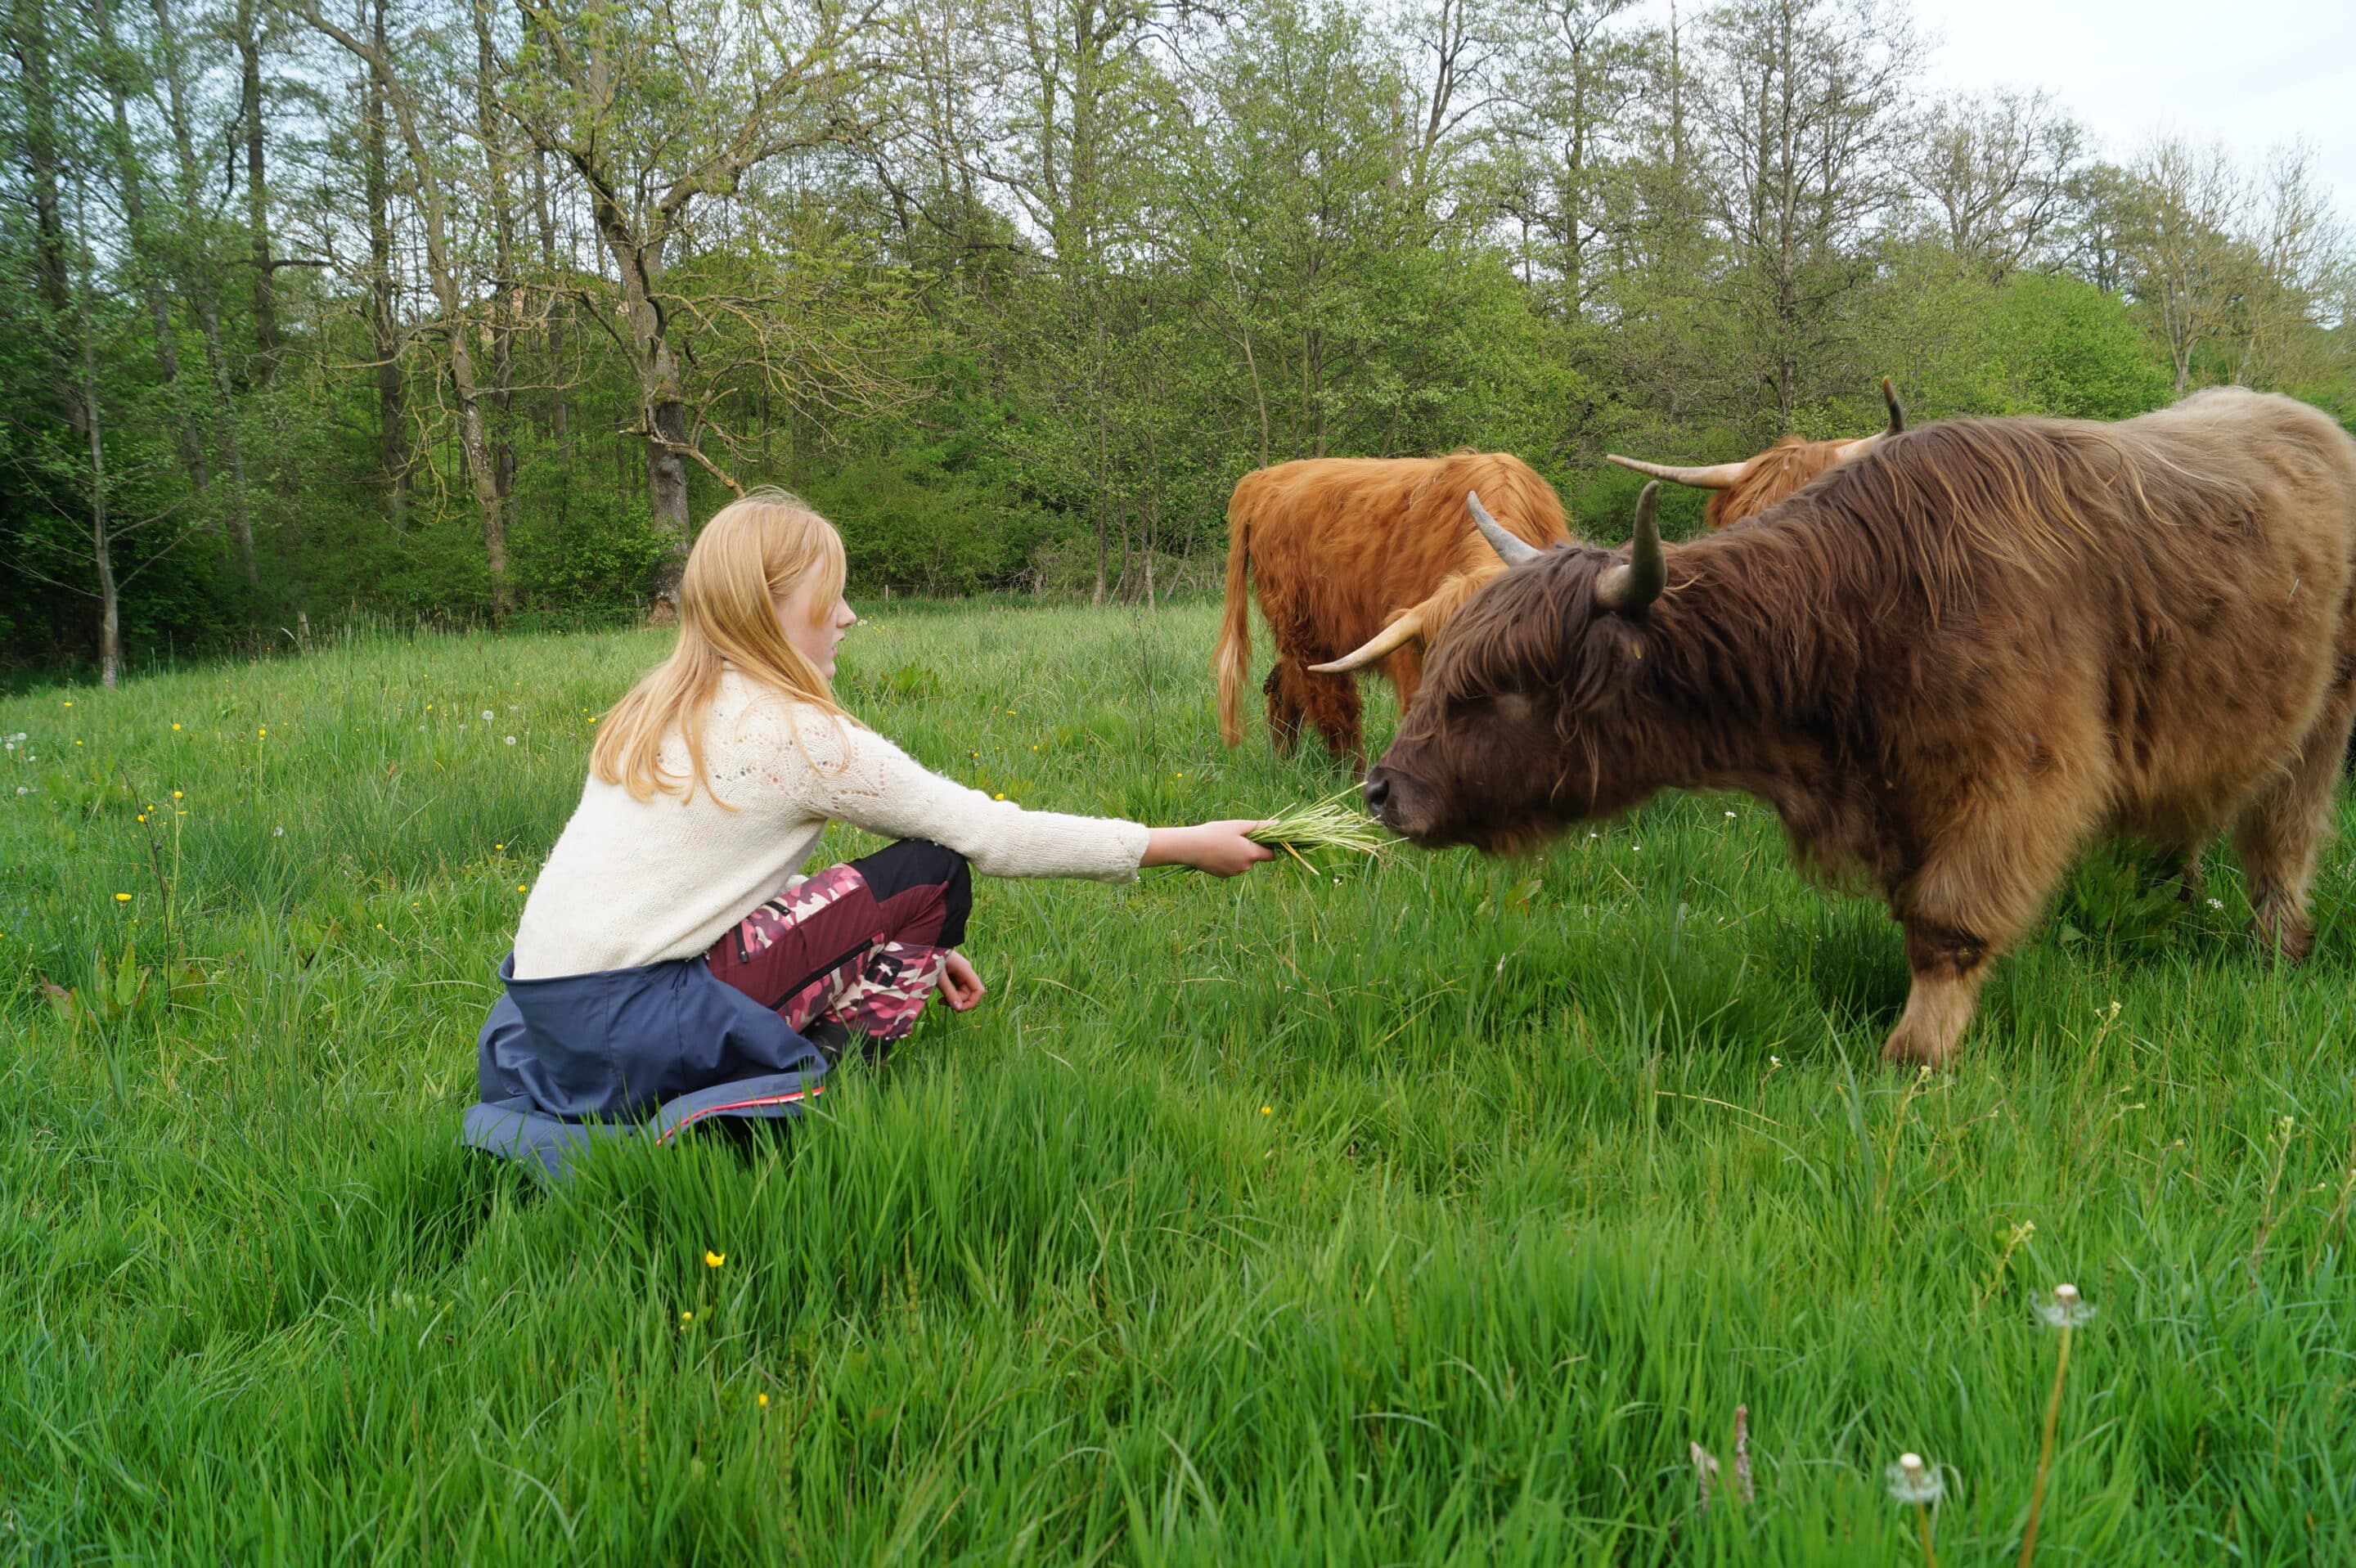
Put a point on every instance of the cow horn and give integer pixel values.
(1625, 589)
(1510, 550)
(1717, 476)
(1406, 629)
(1897, 426)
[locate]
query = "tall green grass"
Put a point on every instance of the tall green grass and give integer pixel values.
(1408, 1211)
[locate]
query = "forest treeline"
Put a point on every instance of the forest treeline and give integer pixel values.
(470, 310)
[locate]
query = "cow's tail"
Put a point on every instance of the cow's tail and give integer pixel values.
(1232, 663)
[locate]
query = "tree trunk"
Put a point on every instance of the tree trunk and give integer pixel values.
(442, 270)
(203, 286)
(666, 471)
(559, 413)
(489, 130)
(257, 191)
(381, 305)
(241, 513)
(29, 40)
(85, 396)
(145, 261)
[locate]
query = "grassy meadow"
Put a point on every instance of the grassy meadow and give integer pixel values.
(1410, 1212)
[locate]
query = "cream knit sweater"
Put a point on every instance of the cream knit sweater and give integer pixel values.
(639, 881)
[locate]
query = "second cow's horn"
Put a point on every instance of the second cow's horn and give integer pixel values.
(1897, 425)
(1510, 550)
(1716, 476)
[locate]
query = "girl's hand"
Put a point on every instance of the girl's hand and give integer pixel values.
(1218, 848)
(961, 986)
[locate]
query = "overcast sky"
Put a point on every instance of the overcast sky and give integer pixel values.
(2255, 73)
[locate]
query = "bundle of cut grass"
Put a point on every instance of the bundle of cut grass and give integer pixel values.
(1328, 824)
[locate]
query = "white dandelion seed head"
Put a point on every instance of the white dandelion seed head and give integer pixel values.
(1914, 1482)
(488, 714)
(23, 790)
(2065, 1309)
(278, 833)
(511, 740)
(1730, 816)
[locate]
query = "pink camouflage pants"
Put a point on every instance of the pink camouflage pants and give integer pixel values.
(861, 945)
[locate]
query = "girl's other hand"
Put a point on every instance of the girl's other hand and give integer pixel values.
(1218, 848)
(961, 986)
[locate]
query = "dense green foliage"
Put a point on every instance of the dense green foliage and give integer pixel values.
(1415, 1212)
(311, 313)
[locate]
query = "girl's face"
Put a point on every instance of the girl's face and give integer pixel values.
(815, 629)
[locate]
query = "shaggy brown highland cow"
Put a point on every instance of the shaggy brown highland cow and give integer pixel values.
(1352, 550)
(1947, 665)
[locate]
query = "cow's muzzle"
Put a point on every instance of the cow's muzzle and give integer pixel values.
(1402, 804)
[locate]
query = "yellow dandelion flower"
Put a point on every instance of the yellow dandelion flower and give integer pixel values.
(1267, 1110)
(176, 726)
(499, 846)
(68, 705)
(687, 1317)
(762, 1399)
(143, 816)
(999, 795)
(712, 1259)
(520, 887)
(123, 897)
(262, 732)
(176, 795)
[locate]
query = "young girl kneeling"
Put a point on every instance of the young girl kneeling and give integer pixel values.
(669, 957)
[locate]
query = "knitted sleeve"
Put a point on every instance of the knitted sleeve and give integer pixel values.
(857, 776)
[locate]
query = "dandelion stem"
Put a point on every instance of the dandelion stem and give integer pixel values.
(2045, 1450)
(1922, 1518)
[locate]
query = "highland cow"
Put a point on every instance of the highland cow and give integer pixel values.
(1352, 551)
(1947, 665)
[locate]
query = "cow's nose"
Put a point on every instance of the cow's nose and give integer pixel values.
(1377, 791)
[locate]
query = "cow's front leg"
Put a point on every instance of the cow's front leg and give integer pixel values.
(1948, 966)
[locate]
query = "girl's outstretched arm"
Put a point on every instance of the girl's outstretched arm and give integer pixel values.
(1218, 848)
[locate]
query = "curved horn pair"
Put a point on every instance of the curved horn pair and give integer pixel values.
(1726, 475)
(1625, 588)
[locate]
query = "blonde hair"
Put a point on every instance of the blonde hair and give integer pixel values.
(754, 551)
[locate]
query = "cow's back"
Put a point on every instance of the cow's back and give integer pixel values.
(2149, 613)
(2221, 669)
